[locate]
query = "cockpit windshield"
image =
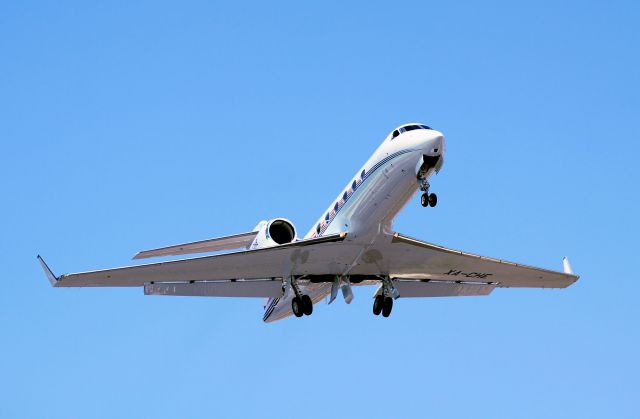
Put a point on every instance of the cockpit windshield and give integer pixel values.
(407, 128)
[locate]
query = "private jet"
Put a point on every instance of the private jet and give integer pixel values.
(353, 243)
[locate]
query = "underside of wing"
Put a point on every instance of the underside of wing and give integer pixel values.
(407, 258)
(415, 268)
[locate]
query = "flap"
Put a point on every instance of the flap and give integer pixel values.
(254, 288)
(408, 288)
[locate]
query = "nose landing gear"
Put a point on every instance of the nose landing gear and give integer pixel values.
(427, 199)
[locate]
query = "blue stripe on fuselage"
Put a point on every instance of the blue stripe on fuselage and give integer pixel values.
(367, 174)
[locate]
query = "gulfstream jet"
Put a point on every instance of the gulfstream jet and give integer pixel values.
(353, 243)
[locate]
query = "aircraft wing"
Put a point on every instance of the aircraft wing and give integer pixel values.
(417, 269)
(304, 257)
(424, 268)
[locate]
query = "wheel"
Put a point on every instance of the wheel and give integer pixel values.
(378, 303)
(307, 305)
(424, 200)
(433, 200)
(296, 307)
(388, 305)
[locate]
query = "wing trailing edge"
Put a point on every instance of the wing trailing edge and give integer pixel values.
(264, 288)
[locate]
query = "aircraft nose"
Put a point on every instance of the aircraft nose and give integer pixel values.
(433, 143)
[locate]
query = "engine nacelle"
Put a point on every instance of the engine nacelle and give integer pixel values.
(273, 233)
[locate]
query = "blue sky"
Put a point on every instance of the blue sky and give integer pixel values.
(128, 126)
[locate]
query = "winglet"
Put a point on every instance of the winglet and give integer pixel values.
(566, 266)
(52, 278)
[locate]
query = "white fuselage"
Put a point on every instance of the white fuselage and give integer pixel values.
(371, 200)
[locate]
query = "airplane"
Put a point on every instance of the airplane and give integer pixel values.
(352, 244)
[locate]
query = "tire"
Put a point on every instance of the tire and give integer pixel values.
(433, 200)
(424, 200)
(307, 305)
(296, 307)
(388, 305)
(378, 303)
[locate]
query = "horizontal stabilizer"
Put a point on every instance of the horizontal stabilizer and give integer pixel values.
(235, 241)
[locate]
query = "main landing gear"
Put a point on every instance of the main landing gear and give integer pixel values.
(427, 199)
(301, 304)
(383, 302)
